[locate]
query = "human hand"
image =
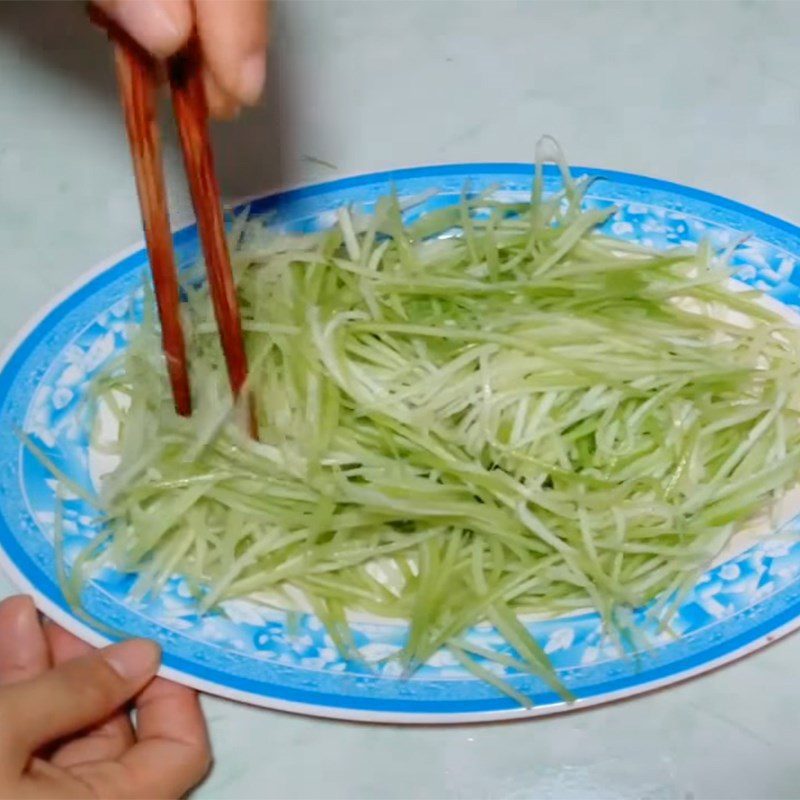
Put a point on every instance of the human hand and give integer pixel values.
(233, 41)
(64, 725)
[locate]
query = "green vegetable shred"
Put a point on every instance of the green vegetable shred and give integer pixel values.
(481, 412)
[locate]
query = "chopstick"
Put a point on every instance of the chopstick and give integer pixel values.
(191, 115)
(137, 77)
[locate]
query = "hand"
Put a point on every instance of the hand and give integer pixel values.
(233, 39)
(64, 725)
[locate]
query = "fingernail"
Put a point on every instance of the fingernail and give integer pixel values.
(134, 659)
(151, 23)
(251, 78)
(24, 629)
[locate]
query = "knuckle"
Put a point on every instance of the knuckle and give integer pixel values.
(93, 683)
(96, 695)
(102, 779)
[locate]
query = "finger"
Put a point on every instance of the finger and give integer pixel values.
(161, 26)
(233, 37)
(107, 741)
(220, 104)
(73, 696)
(63, 645)
(172, 755)
(173, 752)
(23, 647)
(43, 780)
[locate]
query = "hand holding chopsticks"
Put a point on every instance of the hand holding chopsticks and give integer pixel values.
(232, 35)
(137, 77)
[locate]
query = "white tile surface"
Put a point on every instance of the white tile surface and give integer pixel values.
(702, 93)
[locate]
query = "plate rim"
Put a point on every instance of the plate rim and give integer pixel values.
(185, 222)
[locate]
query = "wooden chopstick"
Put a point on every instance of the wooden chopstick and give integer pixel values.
(137, 77)
(191, 115)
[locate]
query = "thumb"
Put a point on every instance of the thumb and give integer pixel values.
(73, 696)
(160, 26)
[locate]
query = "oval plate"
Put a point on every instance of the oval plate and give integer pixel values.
(251, 654)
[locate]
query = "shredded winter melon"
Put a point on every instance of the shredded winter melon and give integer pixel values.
(487, 412)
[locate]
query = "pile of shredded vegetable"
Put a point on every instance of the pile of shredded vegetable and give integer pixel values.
(490, 411)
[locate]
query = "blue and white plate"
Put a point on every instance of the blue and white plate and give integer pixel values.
(250, 653)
